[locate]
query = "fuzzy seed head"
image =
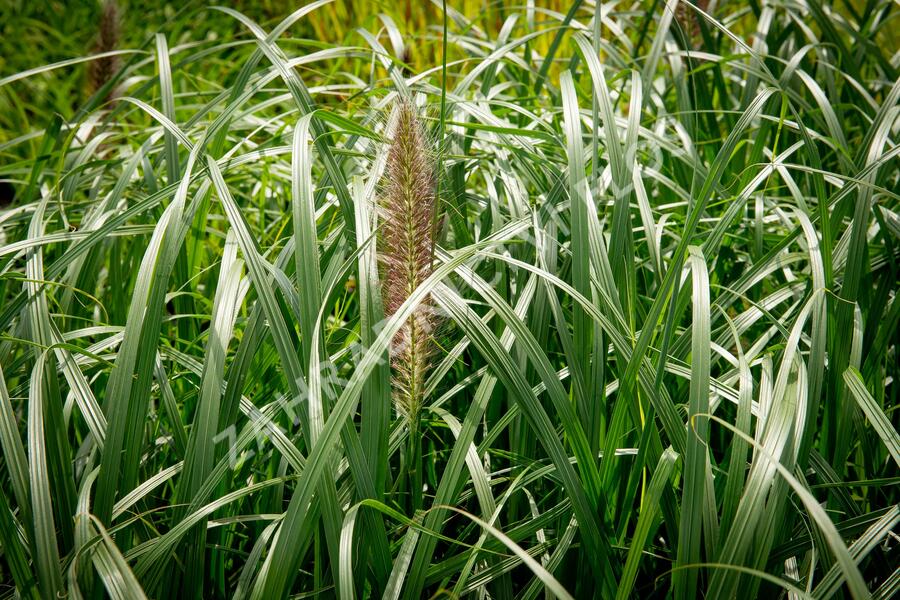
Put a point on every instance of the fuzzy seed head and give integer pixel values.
(109, 25)
(689, 19)
(408, 208)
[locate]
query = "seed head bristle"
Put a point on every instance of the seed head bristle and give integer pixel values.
(408, 206)
(102, 70)
(689, 19)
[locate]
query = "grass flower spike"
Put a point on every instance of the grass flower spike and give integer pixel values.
(689, 19)
(101, 70)
(409, 205)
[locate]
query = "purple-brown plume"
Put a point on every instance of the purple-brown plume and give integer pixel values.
(408, 216)
(102, 70)
(689, 19)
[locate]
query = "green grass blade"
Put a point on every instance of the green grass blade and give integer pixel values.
(874, 413)
(693, 504)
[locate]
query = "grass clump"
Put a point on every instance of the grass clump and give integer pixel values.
(662, 239)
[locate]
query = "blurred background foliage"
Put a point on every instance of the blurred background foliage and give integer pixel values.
(36, 33)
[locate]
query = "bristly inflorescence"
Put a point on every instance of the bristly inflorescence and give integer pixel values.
(102, 70)
(407, 245)
(689, 19)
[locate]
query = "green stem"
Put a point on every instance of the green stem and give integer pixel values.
(414, 464)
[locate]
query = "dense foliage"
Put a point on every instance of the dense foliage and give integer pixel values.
(598, 300)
